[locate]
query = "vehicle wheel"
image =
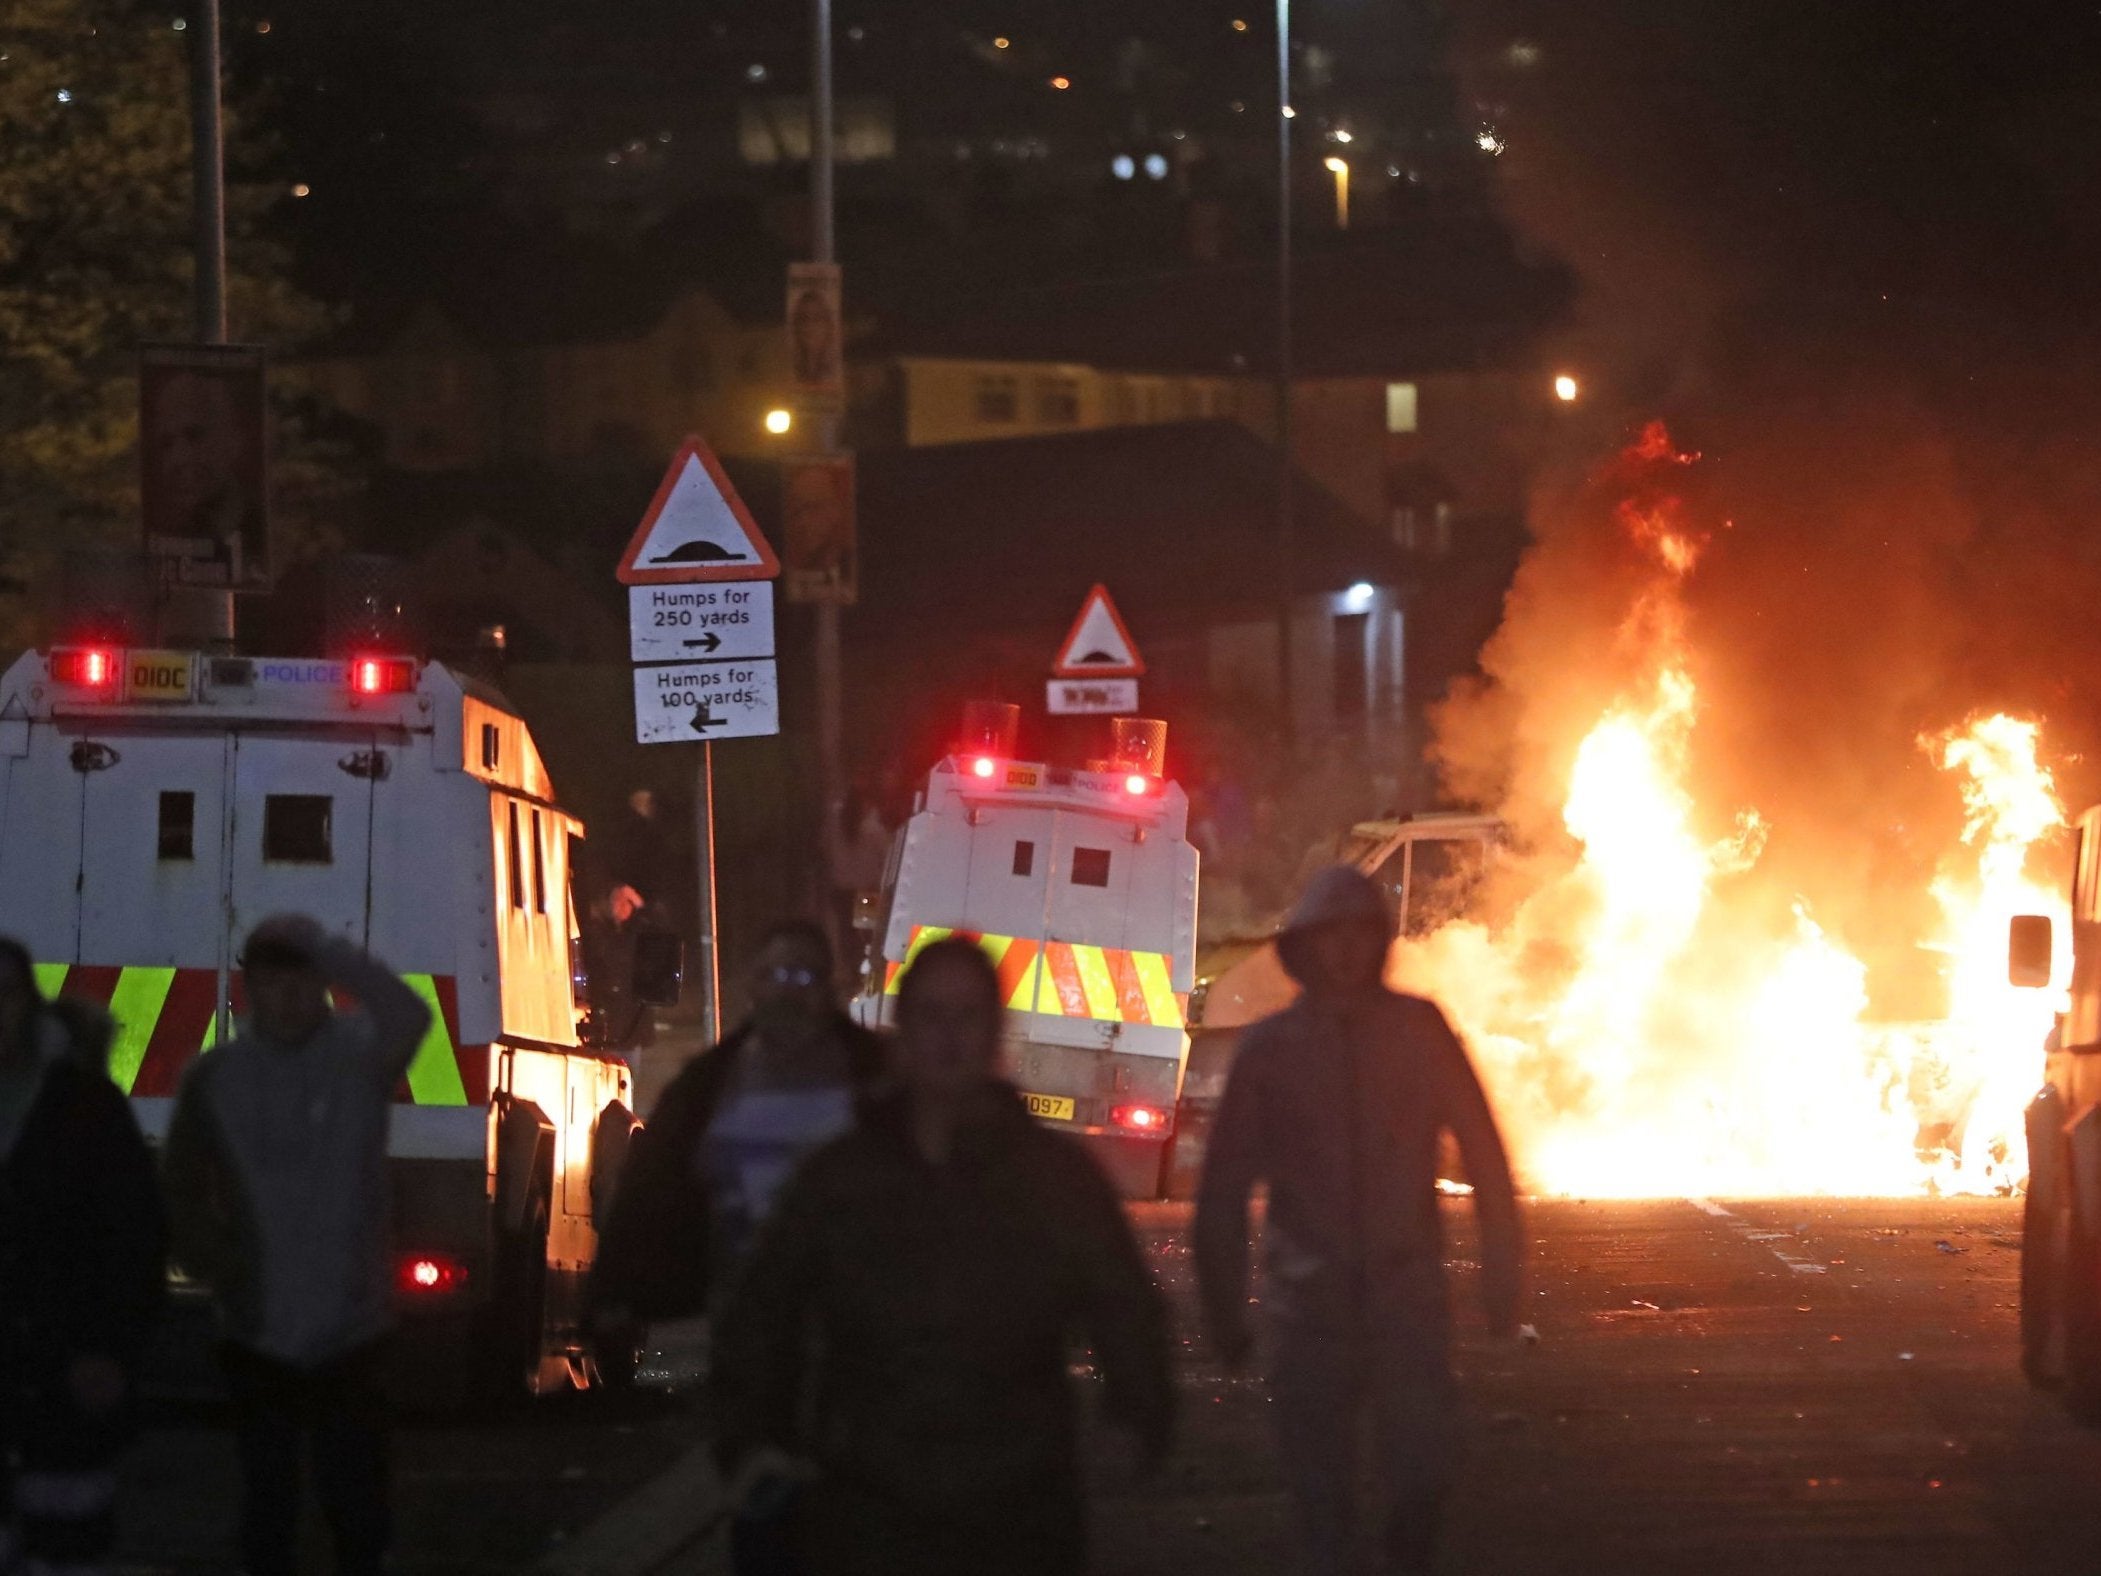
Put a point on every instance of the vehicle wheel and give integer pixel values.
(2042, 1253)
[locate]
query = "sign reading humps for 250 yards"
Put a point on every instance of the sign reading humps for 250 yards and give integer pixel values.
(700, 623)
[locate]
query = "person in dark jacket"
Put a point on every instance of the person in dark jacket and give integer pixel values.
(702, 1175)
(903, 1327)
(83, 1262)
(1338, 1103)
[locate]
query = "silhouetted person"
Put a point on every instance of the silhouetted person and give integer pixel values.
(1338, 1103)
(903, 1328)
(704, 1174)
(83, 1261)
(277, 1178)
(725, 1135)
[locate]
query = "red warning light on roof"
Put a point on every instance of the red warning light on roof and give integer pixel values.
(90, 667)
(983, 766)
(382, 675)
(1136, 786)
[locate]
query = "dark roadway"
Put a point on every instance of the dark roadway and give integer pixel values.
(1810, 1387)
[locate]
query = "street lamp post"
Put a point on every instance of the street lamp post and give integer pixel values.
(1287, 549)
(830, 751)
(211, 611)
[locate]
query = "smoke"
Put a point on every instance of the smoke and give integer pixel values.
(1844, 258)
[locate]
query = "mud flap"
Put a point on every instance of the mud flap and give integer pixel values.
(2044, 1241)
(2079, 1273)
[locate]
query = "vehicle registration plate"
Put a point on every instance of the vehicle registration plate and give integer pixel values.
(1055, 1107)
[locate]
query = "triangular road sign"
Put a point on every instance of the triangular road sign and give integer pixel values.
(1099, 647)
(696, 529)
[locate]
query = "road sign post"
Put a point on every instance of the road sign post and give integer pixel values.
(699, 575)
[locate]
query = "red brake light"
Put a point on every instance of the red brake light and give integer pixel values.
(382, 675)
(983, 766)
(430, 1274)
(90, 667)
(1139, 1118)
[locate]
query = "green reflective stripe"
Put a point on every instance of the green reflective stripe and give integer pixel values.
(50, 978)
(434, 1076)
(211, 1031)
(136, 1005)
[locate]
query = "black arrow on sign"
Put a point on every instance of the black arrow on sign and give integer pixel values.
(707, 642)
(703, 719)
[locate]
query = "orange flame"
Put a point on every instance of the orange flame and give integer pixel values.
(1648, 1026)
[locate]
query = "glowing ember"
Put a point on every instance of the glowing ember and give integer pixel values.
(1651, 1022)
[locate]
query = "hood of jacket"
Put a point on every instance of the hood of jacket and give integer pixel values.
(1338, 895)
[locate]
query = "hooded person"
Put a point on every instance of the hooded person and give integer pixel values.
(1339, 1103)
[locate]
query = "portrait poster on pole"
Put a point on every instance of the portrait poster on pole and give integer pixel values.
(818, 529)
(816, 340)
(204, 462)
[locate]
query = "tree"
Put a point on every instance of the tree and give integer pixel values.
(95, 257)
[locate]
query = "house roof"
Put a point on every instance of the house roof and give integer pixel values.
(1402, 302)
(1178, 520)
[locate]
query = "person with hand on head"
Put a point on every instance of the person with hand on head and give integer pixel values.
(901, 1335)
(277, 1182)
(83, 1265)
(1340, 1103)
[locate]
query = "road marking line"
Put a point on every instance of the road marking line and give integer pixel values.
(1764, 1239)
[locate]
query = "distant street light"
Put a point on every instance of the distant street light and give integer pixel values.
(1340, 169)
(778, 421)
(1566, 389)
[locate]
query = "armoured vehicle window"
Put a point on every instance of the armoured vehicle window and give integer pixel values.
(178, 825)
(1090, 867)
(1024, 858)
(517, 867)
(296, 828)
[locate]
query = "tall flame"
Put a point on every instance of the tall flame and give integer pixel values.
(1649, 1025)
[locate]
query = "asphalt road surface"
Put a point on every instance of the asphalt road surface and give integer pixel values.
(1805, 1387)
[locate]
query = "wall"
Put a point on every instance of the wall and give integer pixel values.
(952, 401)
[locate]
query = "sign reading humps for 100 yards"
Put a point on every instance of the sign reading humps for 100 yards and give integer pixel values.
(707, 700)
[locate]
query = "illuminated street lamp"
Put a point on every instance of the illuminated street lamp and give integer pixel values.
(778, 421)
(1566, 389)
(1340, 169)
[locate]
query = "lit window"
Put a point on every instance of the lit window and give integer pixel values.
(1400, 407)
